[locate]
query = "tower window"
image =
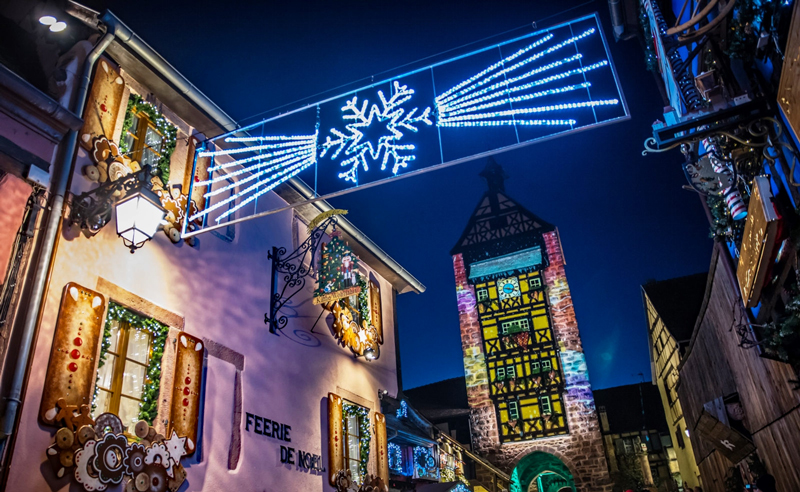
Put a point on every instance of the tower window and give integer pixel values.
(511, 372)
(545, 403)
(513, 410)
(500, 373)
(546, 366)
(483, 295)
(535, 282)
(515, 326)
(535, 367)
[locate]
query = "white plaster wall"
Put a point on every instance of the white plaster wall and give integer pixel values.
(222, 290)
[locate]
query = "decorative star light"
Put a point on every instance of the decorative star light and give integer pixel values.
(504, 84)
(357, 147)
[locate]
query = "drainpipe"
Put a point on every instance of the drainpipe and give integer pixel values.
(62, 171)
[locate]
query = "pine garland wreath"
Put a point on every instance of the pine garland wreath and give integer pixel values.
(167, 130)
(363, 301)
(148, 409)
(362, 415)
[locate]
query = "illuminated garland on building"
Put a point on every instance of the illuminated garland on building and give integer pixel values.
(168, 131)
(362, 415)
(148, 408)
(395, 458)
(425, 463)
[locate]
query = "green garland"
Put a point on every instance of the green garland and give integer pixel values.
(363, 301)
(159, 331)
(169, 132)
(365, 436)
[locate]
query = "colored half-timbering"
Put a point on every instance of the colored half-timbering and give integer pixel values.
(526, 376)
(522, 358)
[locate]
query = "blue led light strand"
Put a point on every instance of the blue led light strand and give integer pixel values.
(286, 157)
(548, 92)
(538, 109)
(508, 123)
(443, 100)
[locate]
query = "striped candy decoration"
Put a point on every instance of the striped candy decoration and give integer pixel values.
(735, 204)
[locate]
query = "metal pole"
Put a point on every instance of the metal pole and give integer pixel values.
(62, 172)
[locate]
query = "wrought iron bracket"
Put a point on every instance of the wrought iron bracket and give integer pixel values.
(91, 210)
(669, 137)
(293, 268)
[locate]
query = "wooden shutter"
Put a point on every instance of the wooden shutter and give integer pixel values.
(104, 103)
(381, 448)
(335, 437)
(186, 386)
(71, 372)
(375, 309)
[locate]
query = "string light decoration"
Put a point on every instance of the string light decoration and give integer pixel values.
(425, 463)
(396, 120)
(502, 84)
(168, 131)
(148, 408)
(362, 416)
(279, 159)
(395, 458)
(403, 410)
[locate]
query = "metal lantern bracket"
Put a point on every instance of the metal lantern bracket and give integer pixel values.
(91, 210)
(294, 271)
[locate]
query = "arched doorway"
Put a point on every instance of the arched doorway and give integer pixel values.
(541, 472)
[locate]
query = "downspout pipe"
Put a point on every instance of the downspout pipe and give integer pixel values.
(130, 39)
(62, 172)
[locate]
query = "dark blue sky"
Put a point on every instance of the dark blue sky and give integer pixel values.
(623, 218)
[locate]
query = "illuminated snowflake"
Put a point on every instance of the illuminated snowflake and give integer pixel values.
(396, 119)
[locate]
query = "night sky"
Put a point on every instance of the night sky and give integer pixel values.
(623, 218)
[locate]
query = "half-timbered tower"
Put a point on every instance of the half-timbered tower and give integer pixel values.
(527, 382)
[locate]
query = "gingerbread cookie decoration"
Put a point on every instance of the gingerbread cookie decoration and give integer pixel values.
(185, 411)
(71, 372)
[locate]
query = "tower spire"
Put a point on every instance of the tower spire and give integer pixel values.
(494, 175)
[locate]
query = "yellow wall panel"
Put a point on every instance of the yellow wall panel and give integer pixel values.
(540, 322)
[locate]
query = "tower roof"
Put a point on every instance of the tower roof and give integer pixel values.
(499, 225)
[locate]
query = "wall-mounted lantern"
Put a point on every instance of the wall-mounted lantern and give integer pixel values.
(139, 210)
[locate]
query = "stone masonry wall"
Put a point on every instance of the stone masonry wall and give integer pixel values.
(582, 449)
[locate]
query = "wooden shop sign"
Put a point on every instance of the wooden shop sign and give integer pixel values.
(282, 432)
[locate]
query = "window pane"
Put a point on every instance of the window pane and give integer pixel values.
(106, 373)
(139, 345)
(149, 158)
(354, 471)
(353, 451)
(128, 412)
(135, 125)
(133, 380)
(352, 425)
(114, 338)
(130, 142)
(101, 404)
(152, 139)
